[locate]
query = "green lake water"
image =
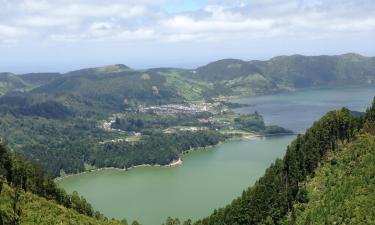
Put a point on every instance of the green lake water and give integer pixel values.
(210, 178)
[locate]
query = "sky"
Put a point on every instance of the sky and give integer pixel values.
(63, 35)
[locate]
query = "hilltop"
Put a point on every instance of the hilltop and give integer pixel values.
(227, 77)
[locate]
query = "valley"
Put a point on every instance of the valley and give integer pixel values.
(171, 112)
(129, 134)
(210, 178)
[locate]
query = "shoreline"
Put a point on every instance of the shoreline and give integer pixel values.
(174, 163)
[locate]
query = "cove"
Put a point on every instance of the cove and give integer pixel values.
(211, 178)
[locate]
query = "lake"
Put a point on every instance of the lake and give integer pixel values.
(212, 177)
(298, 110)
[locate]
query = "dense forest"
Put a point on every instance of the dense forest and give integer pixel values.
(67, 132)
(157, 148)
(142, 121)
(72, 144)
(28, 196)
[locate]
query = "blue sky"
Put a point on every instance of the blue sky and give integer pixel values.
(183, 6)
(63, 35)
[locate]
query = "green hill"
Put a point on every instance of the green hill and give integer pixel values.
(285, 73)
(12, 82)
(116, 84)
(101, 70)
(114, 87)
(38, 79)
(305, 71)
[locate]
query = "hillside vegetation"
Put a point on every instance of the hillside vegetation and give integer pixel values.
(29, 196)
(286, 73)
(56, 120)
(325, 177)
(119, 83)
(10, 82)
(48, 116)
(342, 190)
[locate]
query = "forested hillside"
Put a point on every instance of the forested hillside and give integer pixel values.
(325, 177)
(11, 82)
(285, 73)
(29, 196)
(342, 190)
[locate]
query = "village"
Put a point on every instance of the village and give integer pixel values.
(182, 108)
(204, 116)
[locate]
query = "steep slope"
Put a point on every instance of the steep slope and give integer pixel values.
(28, 196)
(342, 190)
(280, 195)
(34, 210)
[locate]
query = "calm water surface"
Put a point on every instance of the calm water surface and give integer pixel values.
(298, 110)
(211, 178)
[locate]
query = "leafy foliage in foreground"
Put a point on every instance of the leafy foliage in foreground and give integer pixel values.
(19, 207)
(21, 174)
(342, 190)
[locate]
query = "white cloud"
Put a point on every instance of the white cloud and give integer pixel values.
(144, 20)
(9, 31)
(10, 35)
(185, 24)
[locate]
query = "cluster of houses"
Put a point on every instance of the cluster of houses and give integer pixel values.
(190, 109)
(171, 130)
(178, 108)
